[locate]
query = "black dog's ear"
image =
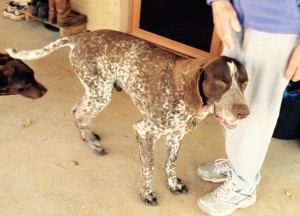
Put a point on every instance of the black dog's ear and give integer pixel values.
(4, 58)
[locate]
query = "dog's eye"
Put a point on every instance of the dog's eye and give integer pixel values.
(244, 85)
(221, 83)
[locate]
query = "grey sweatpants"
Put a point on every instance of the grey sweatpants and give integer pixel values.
(265, 56)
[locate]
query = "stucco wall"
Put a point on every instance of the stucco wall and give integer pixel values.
(105, 14)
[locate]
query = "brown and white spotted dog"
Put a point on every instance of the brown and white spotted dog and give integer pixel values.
(17, 78)
(174, 94)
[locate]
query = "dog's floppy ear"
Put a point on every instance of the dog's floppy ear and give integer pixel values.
(192, 95)
(4, 58)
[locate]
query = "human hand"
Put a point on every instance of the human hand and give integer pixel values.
(225, 19)
(293, 69)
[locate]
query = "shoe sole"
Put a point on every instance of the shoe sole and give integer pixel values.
(243, 204)
(13, 17)
(214, 180)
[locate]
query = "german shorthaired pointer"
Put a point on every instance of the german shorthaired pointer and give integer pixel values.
(174, 94)
(17, 78)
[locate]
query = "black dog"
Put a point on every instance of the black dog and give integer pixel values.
(17, 78)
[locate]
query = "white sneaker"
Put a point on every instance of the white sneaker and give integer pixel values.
(226, 199)
(10, 7)
(215, 172)
(14, 10)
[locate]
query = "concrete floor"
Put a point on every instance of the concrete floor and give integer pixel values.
(38, 175)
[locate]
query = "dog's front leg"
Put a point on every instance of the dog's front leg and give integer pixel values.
(147, 134)
(173, 144)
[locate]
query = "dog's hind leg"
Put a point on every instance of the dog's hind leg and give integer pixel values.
(173, 144)
(93, 102)
(147, 134)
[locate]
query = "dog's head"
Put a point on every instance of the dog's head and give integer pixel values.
(221, 82)
(17, 78)
(224, 82)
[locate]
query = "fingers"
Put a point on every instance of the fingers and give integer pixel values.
(293, 69)
(235, 23)
(228, 42)
(296, 76)
(293, 73)
(224, 33)
(225, 19)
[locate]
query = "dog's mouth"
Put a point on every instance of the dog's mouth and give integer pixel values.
(4, 91)
(226, 123)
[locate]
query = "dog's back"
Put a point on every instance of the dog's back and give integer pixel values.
(126, 56)
(143, 70)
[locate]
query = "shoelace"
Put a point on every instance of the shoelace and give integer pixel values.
(225, 190)
(222, 165)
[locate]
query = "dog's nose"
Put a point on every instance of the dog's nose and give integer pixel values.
(39, 91)
(241, 111)
(43, 92)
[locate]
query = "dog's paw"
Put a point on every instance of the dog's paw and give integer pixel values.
(93, 141)
(178, 187)
(98, 149)
(96, 146)
(149, 198)
(96, 136)
(117, 87)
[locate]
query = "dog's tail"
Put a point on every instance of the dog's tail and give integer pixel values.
(39, 53)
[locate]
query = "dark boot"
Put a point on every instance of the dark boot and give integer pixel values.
(43, 9)
(65, 16)
(52, 11)
(34, 7)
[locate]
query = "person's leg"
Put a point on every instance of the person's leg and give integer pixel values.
(265, 57)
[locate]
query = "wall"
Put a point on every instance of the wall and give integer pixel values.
(105, 14)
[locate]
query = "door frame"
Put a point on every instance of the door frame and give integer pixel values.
(180, 48)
